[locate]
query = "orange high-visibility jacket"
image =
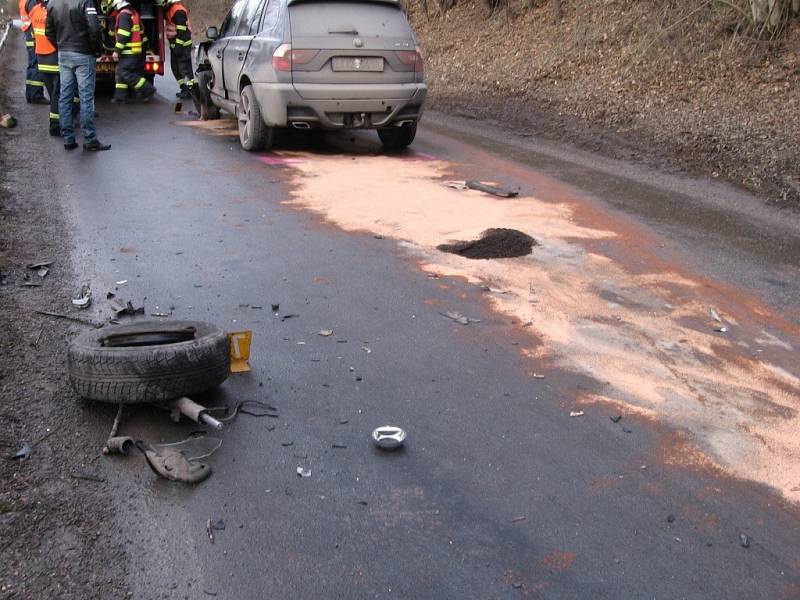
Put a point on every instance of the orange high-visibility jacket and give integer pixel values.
(23, 15)
(38, 16)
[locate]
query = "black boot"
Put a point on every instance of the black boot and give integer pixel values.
(96, 146)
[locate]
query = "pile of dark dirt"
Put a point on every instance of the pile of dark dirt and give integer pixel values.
(493, 243)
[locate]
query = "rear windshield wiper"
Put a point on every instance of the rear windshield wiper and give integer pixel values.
(351, 31)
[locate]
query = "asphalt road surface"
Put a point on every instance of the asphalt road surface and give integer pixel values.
(499, 492)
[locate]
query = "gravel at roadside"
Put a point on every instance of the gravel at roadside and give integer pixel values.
(58, 537)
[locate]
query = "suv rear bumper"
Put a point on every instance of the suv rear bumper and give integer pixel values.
(376, 106)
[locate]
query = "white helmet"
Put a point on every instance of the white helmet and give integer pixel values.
(119, 4)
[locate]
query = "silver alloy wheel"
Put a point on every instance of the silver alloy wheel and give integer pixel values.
(245, 123)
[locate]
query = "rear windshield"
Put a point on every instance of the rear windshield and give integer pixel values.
(365, 19)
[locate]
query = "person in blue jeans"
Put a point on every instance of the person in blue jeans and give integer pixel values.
(72, 27)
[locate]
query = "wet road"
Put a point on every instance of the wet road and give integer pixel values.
(499, 493)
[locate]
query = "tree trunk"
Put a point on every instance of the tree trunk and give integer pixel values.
(770, 15)
(555, 8)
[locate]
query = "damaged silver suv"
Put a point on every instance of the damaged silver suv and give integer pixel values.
(313, 64)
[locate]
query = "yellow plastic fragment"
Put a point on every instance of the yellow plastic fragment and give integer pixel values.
(240, 350)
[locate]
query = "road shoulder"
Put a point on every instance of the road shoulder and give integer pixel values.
(57, 505)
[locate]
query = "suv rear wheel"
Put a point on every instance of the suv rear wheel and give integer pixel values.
(253, 133)
(396, 138)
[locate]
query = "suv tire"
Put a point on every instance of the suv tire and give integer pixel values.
(397, 138)
(253, 132)
(178, 358)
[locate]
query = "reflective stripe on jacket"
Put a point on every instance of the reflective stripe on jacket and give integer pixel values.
(129, 39)
(179, 28)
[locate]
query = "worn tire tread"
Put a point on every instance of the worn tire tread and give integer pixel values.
(131, 375)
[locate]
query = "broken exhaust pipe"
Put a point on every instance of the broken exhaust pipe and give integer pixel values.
(191, 409)
(118, 445)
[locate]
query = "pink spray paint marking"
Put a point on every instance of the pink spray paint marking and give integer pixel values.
(273, 160)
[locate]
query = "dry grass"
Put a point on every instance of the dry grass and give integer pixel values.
(688, 81)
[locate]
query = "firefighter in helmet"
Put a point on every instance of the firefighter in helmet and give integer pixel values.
(130, 48)
(179, 35)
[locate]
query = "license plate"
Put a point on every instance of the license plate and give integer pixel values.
(353, 63)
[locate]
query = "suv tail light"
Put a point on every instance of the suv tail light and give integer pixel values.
(412, 57)
(284, 57)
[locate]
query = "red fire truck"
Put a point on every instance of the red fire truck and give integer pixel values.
(153, 25)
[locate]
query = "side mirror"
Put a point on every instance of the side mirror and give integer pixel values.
(212, 33)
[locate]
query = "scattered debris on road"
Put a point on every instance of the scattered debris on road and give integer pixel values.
(615, 418)
(482, 187)
(491, 189)
(84, 298)
(210, 531)
(389, 437)
(326, 332)
(39, 264)
(459, 318)
(301, 472)
(24, 452)
(66, 317)
(40, 267)
(172, 464)
(576, 413)
(744, 541)
(7, 121)
(720, 327)
(518, 519)
(124, 308)
(86, 475)
(493, 243)
(456, 185)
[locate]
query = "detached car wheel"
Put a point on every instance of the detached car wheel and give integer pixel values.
(396, 138)
(253, 133)
(202, 98)
(148, 361)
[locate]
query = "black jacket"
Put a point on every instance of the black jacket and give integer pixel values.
(72, 26)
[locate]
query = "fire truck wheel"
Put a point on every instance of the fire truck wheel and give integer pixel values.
(148, 361)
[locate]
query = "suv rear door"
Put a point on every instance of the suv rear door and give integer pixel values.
(360, 46)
